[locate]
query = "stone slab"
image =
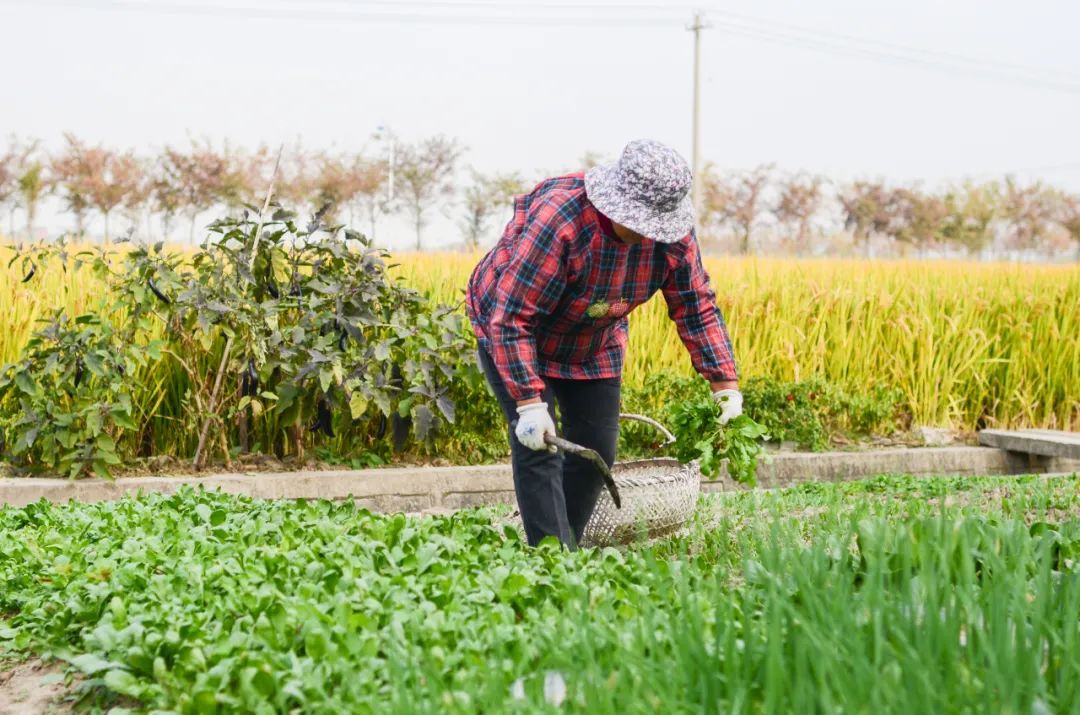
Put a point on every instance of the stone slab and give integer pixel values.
(395, 489)
(435, 488)
(1045, 443)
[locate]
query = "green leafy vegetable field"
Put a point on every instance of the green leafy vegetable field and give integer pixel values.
(890, 595)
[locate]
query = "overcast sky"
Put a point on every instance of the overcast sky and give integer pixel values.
(931, 90)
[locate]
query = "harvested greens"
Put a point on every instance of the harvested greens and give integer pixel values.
(699, 435)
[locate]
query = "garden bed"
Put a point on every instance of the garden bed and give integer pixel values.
(893, 594)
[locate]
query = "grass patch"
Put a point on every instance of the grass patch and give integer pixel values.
(896, 594)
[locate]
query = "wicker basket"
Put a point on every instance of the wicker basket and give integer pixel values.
(658, 498)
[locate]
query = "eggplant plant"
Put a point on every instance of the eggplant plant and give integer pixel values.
(67, 400)
(286, 330)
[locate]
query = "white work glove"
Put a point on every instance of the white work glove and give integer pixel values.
(730, 402)
(533, 424)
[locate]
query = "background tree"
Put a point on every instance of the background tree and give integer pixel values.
(1068, 216)
(485, 198)
(138, 205)
(165, 194)
(297, 176)
(916, 218)
(33, 183)
(196, 179)
(231, 188)
(335, 184)
(251, 173)
(70, 170)
(113, 178)
(800, 200)
(9, 181)
(425, 175)
(714, 201)
(1026, 212)
(970, 213)
(866, 210)
(369, 178)
(737, 202)
(14, 163)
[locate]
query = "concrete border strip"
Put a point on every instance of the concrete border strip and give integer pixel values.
(422, 488)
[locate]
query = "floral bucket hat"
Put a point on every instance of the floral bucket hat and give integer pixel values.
(647, 190)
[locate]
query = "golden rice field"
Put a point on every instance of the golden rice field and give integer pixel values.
(969, 344)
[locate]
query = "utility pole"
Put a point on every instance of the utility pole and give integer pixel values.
(696, 27)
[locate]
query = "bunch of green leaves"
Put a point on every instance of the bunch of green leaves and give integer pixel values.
(700, 436)
(807, 412)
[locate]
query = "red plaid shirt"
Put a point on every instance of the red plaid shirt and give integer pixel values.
(551, 298)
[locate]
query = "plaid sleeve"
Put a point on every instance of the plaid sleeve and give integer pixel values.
(529, 288)
(692, 305)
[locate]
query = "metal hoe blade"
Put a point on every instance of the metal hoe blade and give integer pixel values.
(592, 456)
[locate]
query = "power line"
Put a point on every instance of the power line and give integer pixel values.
(769, 24)
(795, 40)
(501, 5)
(935, 59)
(763, 24)
(361, 11)
(285, 13)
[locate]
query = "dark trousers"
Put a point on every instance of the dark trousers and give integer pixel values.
(557, 493)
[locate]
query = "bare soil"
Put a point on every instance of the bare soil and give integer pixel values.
(23, 692)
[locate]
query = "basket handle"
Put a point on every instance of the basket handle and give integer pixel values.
(669, 438)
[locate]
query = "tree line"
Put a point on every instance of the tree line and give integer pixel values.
(766, 211)
(759, 211)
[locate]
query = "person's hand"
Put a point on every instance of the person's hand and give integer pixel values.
(534, 423)
(730, 402)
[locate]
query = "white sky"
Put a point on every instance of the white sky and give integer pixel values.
(535, 97)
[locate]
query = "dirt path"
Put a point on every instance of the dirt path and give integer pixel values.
(22, 691)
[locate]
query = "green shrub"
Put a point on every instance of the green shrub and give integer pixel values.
(284, 333)
(808, 412)
(789, 411)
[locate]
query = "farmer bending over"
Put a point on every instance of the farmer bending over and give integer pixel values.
(549, 305)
